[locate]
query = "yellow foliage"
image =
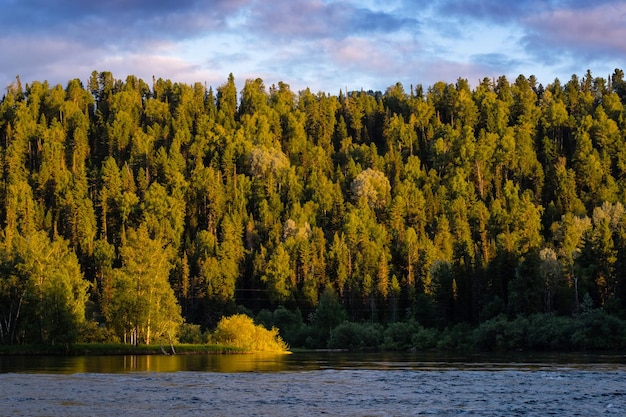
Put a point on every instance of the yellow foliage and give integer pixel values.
(240, 331)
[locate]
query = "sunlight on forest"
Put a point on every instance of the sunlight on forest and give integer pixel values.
(415, 218)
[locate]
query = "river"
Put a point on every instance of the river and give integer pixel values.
(312, 384)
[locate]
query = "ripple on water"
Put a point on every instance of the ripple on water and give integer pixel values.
(349, 392)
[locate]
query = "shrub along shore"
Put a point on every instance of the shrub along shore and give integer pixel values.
(592, 330)
(234, 334)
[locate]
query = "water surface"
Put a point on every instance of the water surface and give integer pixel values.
(315, 384)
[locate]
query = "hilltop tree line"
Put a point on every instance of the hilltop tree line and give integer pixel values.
(127, 209)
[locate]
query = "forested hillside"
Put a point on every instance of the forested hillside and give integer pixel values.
(127, 207)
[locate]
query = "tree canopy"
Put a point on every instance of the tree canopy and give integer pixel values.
(136, 207)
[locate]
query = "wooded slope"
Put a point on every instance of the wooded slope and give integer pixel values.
(138, 205)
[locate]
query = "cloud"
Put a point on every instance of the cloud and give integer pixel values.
(146, 66)
(234, 32)
(42, 59)
(591, 33)
(116, 22)
(288, 19)
(58, 61)
(493, 11)
(495, 61)
(323, 44)
(69, 38)
(506, 12)
(119, 21)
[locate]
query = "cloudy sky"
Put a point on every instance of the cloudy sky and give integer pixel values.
(322, 44)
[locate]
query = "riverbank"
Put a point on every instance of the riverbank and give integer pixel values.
(117, 349)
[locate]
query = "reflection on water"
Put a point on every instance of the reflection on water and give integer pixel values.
(143, 363)
(311, 384)
(307, 361)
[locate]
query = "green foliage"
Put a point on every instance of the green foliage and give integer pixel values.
(50, 289)
(425, 339)
(191, 334)
(373, 187)
(143, 307)
(399, 335)
(289, 324)
(548, 332)
(499, 334)
(471, 212)
(329, 313)
(593, 329)
(92, 332)
(356, 336)
(241, 332)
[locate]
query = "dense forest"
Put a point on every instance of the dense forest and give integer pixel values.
(141, 213)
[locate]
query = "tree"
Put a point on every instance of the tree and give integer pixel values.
(164, 214)
(570, 234)
(493, 111)
(54, 291)
(329, 312)
(13, 291)
(399, 201)
(618, 83)
(373, 187)
(109, 194)
(444, 290)
(517, 221)
(340, 260)
(253, 97)
(550, 270)
(219, 261)
(143, 306)
(278, 275)
(464, 108)
(227, 103)
(104, 256)
(599, 255)
(565, 193)
(412, 253)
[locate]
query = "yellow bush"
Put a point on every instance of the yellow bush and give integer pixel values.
(240, 331)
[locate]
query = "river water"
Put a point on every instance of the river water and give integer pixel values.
(330, 384)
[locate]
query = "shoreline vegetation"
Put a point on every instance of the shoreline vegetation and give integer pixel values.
(591, 330)
(88, 349)
(448, 217)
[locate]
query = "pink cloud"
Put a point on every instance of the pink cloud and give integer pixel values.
(589, 31)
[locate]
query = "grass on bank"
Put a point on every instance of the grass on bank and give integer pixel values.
(117, 349)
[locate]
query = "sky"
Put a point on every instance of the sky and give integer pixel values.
(323, 45)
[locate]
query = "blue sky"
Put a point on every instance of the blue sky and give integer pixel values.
(321, 44)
